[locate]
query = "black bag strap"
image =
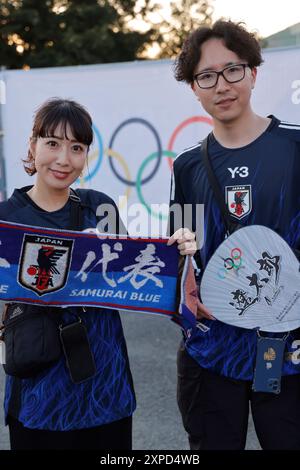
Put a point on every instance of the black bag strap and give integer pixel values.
(229, 225)
(76, 212)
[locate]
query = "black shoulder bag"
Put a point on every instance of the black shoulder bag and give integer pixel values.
(31, 332)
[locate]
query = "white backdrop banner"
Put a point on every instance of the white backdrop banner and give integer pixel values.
(142, 118)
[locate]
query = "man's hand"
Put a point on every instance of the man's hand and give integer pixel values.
(186, 241)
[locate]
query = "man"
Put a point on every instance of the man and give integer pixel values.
(216, 367)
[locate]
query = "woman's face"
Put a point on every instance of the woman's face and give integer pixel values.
(59, 159)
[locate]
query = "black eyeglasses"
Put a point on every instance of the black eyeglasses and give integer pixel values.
(232, 74)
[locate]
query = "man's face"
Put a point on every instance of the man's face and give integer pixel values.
(225, 102)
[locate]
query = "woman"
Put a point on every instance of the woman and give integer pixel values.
(49, 411)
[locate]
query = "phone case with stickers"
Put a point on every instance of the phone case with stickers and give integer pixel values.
(268, 368)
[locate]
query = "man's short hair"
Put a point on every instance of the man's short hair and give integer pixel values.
(235, 37)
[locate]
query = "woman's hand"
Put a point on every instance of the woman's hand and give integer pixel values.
(186, 241)
(187, 246)
(203, 312)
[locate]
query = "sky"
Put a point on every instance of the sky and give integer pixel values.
(264, 16)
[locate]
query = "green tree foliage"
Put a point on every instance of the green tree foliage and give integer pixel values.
(50, 33)
(97, 32)
(29, 33)
(182, 17)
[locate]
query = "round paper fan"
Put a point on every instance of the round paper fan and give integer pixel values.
(253, 281)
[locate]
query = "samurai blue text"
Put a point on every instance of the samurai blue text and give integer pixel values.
(119, 294)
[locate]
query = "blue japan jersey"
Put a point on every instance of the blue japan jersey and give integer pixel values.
(51, 400)
(261, 185)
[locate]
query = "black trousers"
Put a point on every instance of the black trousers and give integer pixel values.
(112, 436)
(215, 410)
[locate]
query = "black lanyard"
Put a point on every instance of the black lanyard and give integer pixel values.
(229, 225)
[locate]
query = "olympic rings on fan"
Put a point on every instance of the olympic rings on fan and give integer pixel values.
(158, 153)
(229, 263)
(238, 255)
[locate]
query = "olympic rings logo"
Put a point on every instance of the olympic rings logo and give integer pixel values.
(231, 264)
(156, 156)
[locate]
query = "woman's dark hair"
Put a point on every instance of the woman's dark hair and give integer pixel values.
(235, 37)
(55, 112)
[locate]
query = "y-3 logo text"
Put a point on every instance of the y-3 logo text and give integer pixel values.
(242, 171)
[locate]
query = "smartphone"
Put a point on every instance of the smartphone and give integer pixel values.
(77, 351)
(268, 369)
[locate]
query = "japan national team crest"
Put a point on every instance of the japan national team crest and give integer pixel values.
(44, 263)
(238, 200)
